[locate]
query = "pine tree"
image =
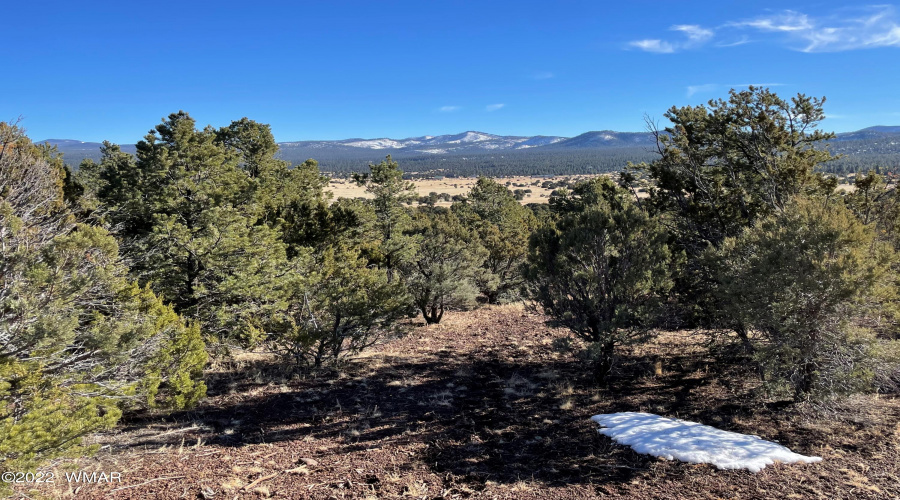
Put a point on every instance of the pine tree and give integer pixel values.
(189, 211)
(385, 182)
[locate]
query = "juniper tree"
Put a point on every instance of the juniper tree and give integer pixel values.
(441, 274)
(503, 226)
(337, 306)
(722, 167)
(79, 342)
(601, 268)
(808, 282)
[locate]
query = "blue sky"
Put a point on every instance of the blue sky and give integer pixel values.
(336, 69)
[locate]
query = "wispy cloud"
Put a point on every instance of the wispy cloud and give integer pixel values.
(494, 107)
(734, 43)
(708, 88)
(694, 35)
(542, 75)
(871, 27)
(694, 32)
(848, 29)
(658, 46)
(448, 109)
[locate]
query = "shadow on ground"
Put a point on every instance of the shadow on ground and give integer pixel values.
(478, 416)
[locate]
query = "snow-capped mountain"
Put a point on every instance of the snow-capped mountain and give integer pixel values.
(469, 141)
(879, 139)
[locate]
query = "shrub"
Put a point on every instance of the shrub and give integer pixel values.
(78, 341)
(806, 282)
(601, 269)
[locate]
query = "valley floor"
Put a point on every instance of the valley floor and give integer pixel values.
(482, 406)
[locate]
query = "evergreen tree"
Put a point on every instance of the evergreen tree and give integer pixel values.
(722, 167)
(441, 274)
(725, 165)
(78, 341)
(601, 269)
(188, 211)
(807, 283)
(338, 306)
(503, 226)
(385, 182)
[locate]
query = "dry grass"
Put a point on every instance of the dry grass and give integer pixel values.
(345, 188)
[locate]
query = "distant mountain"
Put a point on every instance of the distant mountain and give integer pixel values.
(75, 151)
(470, 141)
(887, 129)
(606, 139)
(474, 151)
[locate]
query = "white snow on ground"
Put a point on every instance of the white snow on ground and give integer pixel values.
(671, 438)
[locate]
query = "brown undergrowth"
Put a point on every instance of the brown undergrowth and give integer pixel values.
(484, 405)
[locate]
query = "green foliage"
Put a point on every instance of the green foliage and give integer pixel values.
(78, 341)
(722, 167)
(806, 282)
(338, 307)
(42, 419)
(200, 212)
(441, 274)
(725, 165)
(385, 182)
(875, 203)
(602, 268)
(503, 226)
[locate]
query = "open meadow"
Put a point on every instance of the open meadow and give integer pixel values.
(460, 186)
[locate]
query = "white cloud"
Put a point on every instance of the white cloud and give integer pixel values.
(448, 109)
(657, 46)
(694, 32)
(870, 27)
(706, 87)
(787, 21)
(741, 41)
(848, 29)
(695, 35)
(494, 107)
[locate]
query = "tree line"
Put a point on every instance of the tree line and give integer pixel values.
(120, 280)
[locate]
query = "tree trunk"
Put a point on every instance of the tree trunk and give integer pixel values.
(604, 363)
(433, 314)
(741, 331)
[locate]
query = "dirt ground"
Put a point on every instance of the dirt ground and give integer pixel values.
(485, 405)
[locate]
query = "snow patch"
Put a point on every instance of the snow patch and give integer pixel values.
(376, 144)
(675, 439)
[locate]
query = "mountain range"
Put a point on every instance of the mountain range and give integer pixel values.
(882, 141)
